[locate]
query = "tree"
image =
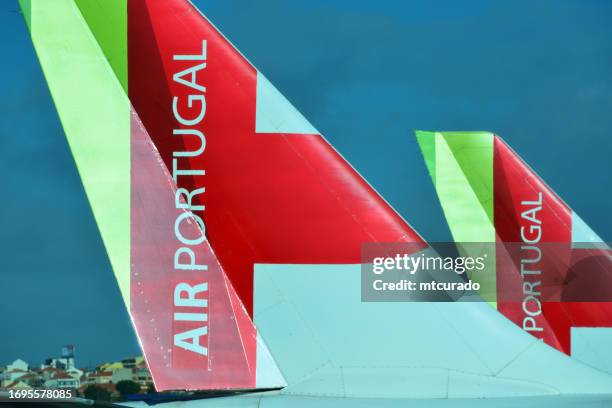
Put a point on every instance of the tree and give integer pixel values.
(151, 388)
(126, 387)
(96, 393)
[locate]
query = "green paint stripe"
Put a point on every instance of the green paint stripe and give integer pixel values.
(461, 167)
(107, 20)
(473, 152)
(25, 10)
(95, 114)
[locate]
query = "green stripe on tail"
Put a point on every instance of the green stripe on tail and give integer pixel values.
(465, 189)
(95, 114)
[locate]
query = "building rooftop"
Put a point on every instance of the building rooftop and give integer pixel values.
(29, 376)
(17, 384)
(101, 374)
(62, 376)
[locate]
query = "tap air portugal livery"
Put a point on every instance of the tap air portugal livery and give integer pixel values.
(235, 230)
(489, 194)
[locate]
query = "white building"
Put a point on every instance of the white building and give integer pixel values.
(63, 380)
(122, 374)
(74, 372)
(13, 374)
(18, 364)
(100, 377)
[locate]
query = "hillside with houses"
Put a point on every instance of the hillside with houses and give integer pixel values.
(107, 381)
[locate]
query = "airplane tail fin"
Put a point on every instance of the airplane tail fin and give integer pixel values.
(488, 194)
(197, 169)
(193, 329)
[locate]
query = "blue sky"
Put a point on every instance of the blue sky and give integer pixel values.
(365, 74)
